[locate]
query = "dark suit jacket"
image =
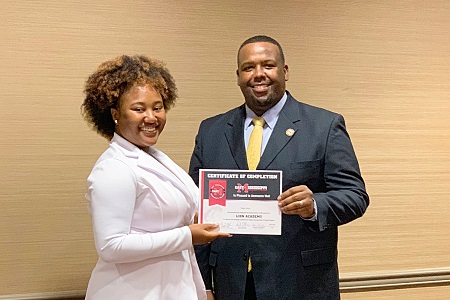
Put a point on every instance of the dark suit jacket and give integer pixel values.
(302, 262)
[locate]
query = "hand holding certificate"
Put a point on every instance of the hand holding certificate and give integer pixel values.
(241, 202)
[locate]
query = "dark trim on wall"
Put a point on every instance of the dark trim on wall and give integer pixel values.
(349, 283)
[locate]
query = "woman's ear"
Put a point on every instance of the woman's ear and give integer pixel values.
(115, 114)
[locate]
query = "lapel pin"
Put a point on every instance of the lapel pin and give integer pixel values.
(290, 132)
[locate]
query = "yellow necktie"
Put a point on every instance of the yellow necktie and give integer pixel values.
(254, 153)
(254, 143)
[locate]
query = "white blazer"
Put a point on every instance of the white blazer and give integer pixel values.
(140, 204)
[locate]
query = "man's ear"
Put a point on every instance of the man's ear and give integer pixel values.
(286, 72)
(237, 76)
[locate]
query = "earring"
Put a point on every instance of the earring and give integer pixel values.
(115, 121)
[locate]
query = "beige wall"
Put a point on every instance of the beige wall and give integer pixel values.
(384, 65)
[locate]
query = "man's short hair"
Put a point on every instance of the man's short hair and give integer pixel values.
(263, 38)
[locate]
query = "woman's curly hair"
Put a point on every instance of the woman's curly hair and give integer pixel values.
(115, 77)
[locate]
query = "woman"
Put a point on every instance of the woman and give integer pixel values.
(142, 204)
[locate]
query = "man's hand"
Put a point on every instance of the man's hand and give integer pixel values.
(297, 200)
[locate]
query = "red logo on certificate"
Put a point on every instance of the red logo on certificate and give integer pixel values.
(217, 192)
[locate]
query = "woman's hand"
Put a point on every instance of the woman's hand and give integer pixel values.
(205, 233)
(210, 295)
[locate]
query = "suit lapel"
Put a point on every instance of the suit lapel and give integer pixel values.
(234, 133)
(158, 163)
(283, 132)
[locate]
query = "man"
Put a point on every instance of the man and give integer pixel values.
(322, 186)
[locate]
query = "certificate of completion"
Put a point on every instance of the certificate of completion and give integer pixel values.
(241, 201)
